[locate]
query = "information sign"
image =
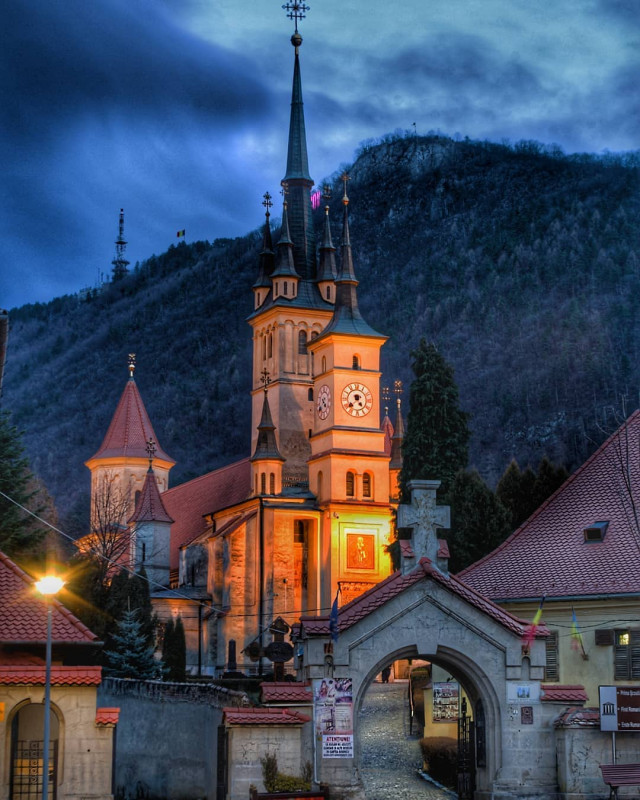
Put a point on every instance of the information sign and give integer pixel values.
(620, 708)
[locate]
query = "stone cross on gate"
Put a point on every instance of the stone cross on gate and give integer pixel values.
(423, 516)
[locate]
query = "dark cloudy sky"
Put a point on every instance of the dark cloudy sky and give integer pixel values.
(177, 110)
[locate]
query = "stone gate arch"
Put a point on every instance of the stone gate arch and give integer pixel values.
(422, 610)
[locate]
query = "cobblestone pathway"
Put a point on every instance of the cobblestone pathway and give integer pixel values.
(390, 757)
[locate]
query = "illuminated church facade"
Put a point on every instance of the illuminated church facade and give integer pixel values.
(309, 511)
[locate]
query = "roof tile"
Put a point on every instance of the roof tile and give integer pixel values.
(547, 555)
(555, 693)
(23, 613)
(286, 692)
(264, 716)
(13, 675)
(107, 716)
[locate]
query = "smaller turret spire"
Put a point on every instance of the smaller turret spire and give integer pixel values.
(266, 254)
(346, 274)
(327, 266)
(284, 266)
(266, 445)
(398, 431)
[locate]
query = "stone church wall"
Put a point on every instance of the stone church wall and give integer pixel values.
(166, 738)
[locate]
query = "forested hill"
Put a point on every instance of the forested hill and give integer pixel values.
(522, 264)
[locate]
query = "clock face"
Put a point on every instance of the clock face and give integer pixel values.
(356, 399)
(323, 403)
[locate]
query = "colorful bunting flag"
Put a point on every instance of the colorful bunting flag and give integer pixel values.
(530, 631)
(576, 637)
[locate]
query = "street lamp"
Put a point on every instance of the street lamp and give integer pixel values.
(49, 586)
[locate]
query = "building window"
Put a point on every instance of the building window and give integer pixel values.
(552, 667)
(272, 483)
(263, 483)
(310, 395)
(319, 490)
(136, 498)
(314, 334)
(356, 363)
(328, 292)
(286, 287)
(277, 288)
(627, 654)
(350, 484)
(324, 364)
(366, 485)
(302, 343)
(264, 348)
(270, 346)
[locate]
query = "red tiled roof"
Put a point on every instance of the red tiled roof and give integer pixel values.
(23, 612)
(553, 693)
(286, 692)
(189, 502)
(578, 718)
(443, 548)
(130, 429)
(264, 716)
(548, 556)
(396, 583)
(107, 716)
(150, 507)
(234, 523)
(12, 675)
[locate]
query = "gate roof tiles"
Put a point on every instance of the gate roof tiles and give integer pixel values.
(14, 675)
(264, 716)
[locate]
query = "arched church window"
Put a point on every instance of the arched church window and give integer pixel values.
(351, 484)
(263, 483)
(270, 346)
(366, 485)
(272, 483)
(328, 292)
(356, 363)
(302, 343)
(310, 394)
(324, 364)
(314, 334)
(136, 498)
(264, 348)
(286, 287)
(144, 551)
(319, 489)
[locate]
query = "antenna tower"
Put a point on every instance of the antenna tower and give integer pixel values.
(120, 263)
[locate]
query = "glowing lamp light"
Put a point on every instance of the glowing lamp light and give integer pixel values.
(49, 585)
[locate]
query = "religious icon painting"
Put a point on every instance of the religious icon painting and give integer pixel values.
(361, 553)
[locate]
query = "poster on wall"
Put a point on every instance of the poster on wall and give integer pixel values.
(445, 701)
(333, 716)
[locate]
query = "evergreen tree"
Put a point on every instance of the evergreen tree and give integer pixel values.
(549, 478)
(479, 522)
(523, 492)
(131, 656)
(435, 446)
(20, 533)
(139, 597)
(174, 651)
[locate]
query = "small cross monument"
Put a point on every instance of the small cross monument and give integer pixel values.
(424, 517)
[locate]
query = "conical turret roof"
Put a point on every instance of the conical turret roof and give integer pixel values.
(266, 445)
(327, 265)
(150, 507)
(130, 429)
(267, 255)
(285, 267)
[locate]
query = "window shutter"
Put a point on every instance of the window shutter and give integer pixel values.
(635, 653)
(604, 637)
(621, 659)
(552, 668)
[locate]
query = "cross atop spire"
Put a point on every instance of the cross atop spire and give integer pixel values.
(267, 202)
(296, 11)
(344, 178)
(151, 450)
(265, 378)
(132, 364)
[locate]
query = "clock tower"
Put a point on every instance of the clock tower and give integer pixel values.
(348, 466)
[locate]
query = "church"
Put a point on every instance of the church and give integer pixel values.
(306, 517)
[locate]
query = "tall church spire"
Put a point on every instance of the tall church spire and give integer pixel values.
(297, 180)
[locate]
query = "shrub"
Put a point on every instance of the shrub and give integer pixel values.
(275, 781)
(440, 755)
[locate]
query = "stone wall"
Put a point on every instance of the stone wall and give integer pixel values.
(166, 739)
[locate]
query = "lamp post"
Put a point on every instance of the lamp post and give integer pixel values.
(48, 586)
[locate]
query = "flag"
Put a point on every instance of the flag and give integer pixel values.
(181, 233)
(530, 630)
(576, 636)
(333, 618)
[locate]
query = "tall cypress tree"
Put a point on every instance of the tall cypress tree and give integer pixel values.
(20, 534)
(436, 443)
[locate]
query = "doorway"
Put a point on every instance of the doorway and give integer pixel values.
(27, 749)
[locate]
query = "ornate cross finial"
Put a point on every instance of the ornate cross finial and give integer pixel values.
(296, 11)
(132, 364)
(151, 449)
(398, 390)
(326, 192)
(386, 396)
(266, 202)
(284, 191)
(266, 380)
(344, 178)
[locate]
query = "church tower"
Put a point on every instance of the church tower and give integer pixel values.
(119, 467)
(292, 302)
(349, 466)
